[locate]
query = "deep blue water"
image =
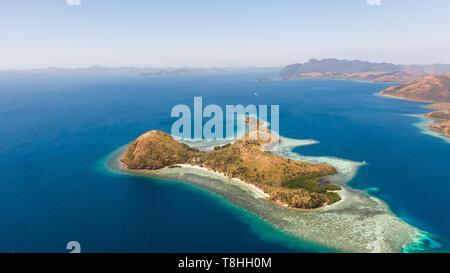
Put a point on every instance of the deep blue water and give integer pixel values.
(54, 132)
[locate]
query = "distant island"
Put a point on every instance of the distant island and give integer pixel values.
(357, 70)
(135, 71)
(429, 89)
(313, 69)
(291, 183)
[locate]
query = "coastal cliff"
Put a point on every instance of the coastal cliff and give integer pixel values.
(429, 89)
(292, 183)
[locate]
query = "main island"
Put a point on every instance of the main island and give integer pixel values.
(304, 197)
(291, 183)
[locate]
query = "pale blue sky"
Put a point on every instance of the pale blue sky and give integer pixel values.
(41, 33)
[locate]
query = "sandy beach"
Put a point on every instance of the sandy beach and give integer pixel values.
(252, 187)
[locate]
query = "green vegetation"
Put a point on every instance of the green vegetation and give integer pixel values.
(299, 198)
(309, 183)
(222, 147)
(312, 183)
(190, 149)
(332, 197)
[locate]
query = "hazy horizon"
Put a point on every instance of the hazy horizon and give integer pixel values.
(85, 33)
(206, 66)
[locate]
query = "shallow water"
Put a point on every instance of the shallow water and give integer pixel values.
(357, 223)
(54, 132)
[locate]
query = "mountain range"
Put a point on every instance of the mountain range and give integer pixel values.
(359, 70)
(141, 71)
(313, 69)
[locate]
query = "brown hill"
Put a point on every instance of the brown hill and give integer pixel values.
(292, 182)
(442, 127)
(432, 89)
(395, 76)
(442, 115)
(442, 106)
(155, 150)
(439, 115)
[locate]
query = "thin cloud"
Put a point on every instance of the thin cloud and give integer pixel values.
(373, 2)
(73, 2)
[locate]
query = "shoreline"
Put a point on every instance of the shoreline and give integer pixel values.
(345, 79)
(252, 187)
(426, 130)
(357, 223)
(423, 125)
(400, 98)
(257, 191)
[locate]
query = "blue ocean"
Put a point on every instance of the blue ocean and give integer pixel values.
(56, 132)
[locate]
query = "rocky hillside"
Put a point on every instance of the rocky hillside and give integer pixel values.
(432, 89)
(155, 150)
(443, 116)
(295, 183)
(442, 127)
